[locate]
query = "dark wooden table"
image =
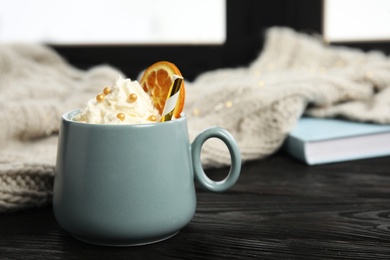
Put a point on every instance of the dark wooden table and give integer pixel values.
(279, 209)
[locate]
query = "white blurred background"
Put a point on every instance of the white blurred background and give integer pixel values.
(356, 20)
(86, 22)
(69, 22)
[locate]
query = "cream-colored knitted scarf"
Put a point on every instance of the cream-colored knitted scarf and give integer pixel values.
(259, 104)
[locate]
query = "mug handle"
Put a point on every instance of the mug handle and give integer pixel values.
(234, 173)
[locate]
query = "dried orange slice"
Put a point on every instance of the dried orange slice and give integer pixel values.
(156, 81)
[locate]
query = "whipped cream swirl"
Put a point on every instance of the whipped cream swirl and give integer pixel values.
(124, 103)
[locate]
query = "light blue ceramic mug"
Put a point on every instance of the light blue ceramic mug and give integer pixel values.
(123, 185)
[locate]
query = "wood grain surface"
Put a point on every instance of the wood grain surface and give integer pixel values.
(279, 209)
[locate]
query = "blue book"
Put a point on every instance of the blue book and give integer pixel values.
(318, 141)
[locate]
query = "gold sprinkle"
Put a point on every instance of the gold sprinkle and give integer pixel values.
(261, 83)
(152, 118)
(121, 116)
(229, 104)
(132, 97)
(196, 112)
(107, 90)
(100, 97)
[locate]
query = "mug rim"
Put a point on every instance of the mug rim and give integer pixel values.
(67, 117)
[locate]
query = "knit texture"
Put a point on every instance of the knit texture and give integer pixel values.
(259, 104)
(37, 86)
(294, 74)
